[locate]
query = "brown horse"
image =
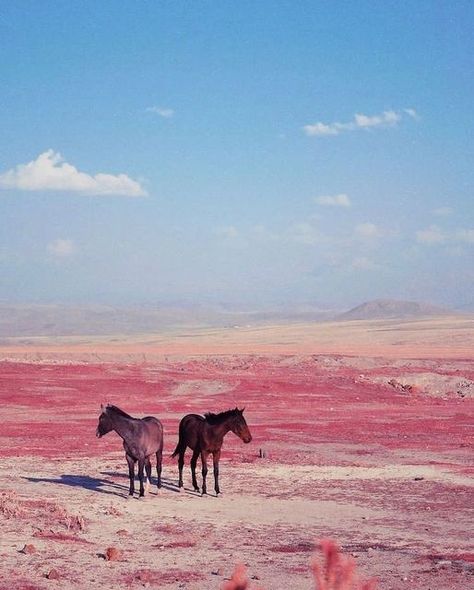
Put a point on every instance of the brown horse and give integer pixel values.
(205, 435)
(142, 437)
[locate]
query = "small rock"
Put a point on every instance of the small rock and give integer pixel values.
(28, 549)
(144, 576)
(443, 563)
(217, 572)
(113, 554)
(122, 533)
(53, 574)
(418, 478)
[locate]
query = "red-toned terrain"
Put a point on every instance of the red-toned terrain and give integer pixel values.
(374, 453)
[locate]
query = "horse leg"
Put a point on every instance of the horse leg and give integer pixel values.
(141, 465)
(131, 474)
(180, 467)
(215, 459)
(204, 455)
(148, 474)
(193, 469)
(159, 457)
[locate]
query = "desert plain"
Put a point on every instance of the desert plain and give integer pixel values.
(362, 433)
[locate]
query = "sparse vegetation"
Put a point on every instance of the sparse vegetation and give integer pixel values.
(335, 572)
(51, 513)
(9, 504)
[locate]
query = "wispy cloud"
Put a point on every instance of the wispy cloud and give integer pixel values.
(435, 235)
(412, 113)
(305, 233)
(431, 235)
(161, 111)
(465, 235)
(442, 211)
(360, 121)
(341, 200)
(50, 172)
(363, 263)
(228, 231)
(369, 230)
(61, 248)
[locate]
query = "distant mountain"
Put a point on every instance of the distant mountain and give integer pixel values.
(380, 309)
(33, 320)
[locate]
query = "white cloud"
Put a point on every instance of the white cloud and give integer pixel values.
(61, 248)
(412, 113)
(50, 172)
(431, 235)
(389, 118)
(360, 121)
(162, 112)
(321, 129)
(341, 200)
(369, 230)
(435, 235)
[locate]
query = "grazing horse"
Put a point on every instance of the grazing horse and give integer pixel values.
(205, 435)
(142, 437)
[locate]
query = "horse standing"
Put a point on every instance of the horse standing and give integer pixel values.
(142, 437)
(205, 435)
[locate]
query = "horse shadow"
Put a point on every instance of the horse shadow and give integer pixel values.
(87, 482)
(96, 484)
(165, 483)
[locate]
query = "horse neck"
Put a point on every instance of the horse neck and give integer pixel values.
(220, 430)
(122, 425)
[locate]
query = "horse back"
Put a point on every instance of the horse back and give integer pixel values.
(190, 430)
(150, 437)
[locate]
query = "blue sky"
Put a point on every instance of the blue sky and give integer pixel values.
(254, 153)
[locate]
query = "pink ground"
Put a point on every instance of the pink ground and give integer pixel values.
(374, 453)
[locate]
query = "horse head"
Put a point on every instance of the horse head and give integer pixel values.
(105, 423)
(239, 426)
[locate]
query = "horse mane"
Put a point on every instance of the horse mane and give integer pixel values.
(117, 410)
(221, 417)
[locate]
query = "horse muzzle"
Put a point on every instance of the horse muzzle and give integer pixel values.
(248, 439)
(98, 434)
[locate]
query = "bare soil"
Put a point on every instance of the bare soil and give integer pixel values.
(373, 450)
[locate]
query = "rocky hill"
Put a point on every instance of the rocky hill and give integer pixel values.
(393, 309)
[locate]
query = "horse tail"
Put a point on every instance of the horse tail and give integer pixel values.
(181, 446)
(176, 451)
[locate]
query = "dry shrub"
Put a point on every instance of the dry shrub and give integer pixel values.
(57, 514)
(10, 505)
(113, 511)
(337, 572)
(238, 581)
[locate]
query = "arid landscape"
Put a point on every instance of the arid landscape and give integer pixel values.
(362, 432)
(259, 214)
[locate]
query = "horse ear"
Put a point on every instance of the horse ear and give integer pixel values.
(242, 410)
(102, 407)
